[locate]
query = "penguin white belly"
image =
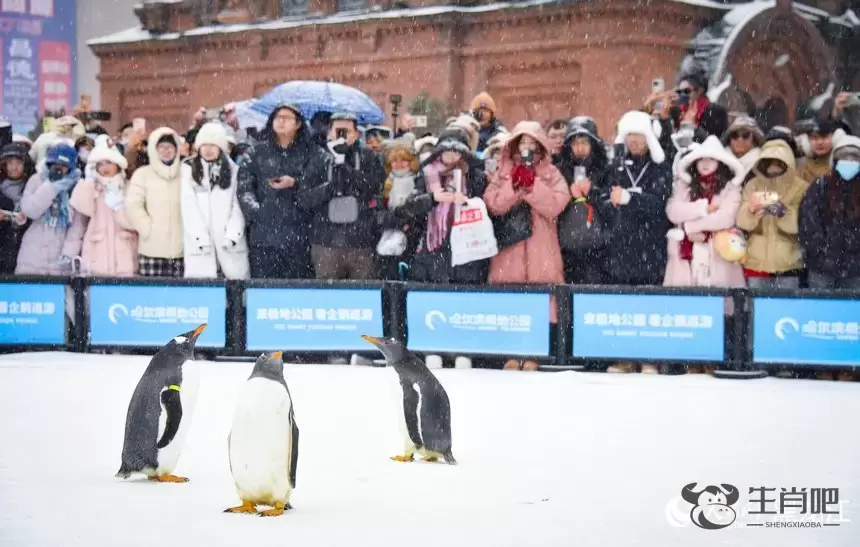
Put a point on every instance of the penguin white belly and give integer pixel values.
(260, 442)
(396, 395)
(168, 456)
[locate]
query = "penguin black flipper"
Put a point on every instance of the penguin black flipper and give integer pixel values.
(436, 420)
(294, 449)
(139, 449)
(173, 406)
(410, 413)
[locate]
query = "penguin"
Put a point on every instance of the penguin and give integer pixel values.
(263, 443)
(160, 411)
(426, 408)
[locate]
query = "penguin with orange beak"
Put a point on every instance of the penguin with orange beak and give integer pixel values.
(160, 411)
(426, 408)
(264, 440)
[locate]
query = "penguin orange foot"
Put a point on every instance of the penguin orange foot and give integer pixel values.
(246, 507)
(167, 478)
(430, 459)
(275, 512)
(402, 458)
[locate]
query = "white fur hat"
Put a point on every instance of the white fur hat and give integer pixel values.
(103, 152)
(711, 148)
(426, 141)
(640, 123)
(212, 133)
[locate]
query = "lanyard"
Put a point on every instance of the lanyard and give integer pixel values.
(635, 183)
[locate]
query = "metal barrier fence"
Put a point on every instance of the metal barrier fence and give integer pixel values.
(742, 332)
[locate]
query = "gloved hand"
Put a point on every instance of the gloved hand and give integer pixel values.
(523, 177)
(776, 209)
(338, 149)
(114, 200)
(64, 184)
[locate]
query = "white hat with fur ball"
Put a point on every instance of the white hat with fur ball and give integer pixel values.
(212, 133)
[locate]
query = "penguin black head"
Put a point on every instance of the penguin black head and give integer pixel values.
(270, 366)
(395, 353)
(184, 343)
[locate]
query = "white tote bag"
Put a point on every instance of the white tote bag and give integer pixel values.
(472, 237)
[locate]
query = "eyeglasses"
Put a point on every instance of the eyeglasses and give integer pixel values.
(742, 136)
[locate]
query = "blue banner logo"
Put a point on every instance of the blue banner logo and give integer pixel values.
(150, 315)
(493, 323)
(32, 314)
(813, 331)
(645, 326)
(312, 319)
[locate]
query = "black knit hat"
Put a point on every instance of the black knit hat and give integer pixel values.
(454, 138)
(168, 138)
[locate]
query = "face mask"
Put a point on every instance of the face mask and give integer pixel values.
(83, 154)
(847, 169)
(55, 174)
(423, 156)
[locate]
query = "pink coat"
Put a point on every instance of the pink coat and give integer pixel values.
(693, 218)
(537, 259)
(109, 246)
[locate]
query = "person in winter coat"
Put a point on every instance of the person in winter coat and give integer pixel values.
(107, 246)
(705, 200)
(432, 204)
(818, 161)
(213, 227)
(527, 178)
(583, 155)
(769, 214)
(493, 153)
(744, 140)
(343, 198)
(152, 205)
(632, 204)
(277, 168)
(829, 223)
(483, 108)
(47, 245)
(16, 168)
(400, 233)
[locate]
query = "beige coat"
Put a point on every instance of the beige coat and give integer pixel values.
(152, 204)
(772, 245)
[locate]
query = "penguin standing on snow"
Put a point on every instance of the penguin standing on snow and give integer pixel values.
(426, 409)
(160, 411)
(264, 441)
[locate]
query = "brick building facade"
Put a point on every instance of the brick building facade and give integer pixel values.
(539, 59)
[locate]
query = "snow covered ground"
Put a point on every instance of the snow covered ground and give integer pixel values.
(544, 459)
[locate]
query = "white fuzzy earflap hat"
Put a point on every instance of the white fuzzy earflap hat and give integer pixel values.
(104, 152)
(636, 122)
(711, 148)
(212, 133)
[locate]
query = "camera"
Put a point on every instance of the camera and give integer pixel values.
(99, 115)
(340, 134)
(528, 158)
(395, 99)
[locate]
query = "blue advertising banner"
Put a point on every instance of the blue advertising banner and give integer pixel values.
(312, 319)
(493, 323)
(646, 326)
(37, 38)
(150, 315)
(813, 331)
(32, 313)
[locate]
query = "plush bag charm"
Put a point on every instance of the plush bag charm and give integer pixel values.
(731, 245)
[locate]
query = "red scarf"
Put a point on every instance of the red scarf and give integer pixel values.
(701, 105)
(707, 190)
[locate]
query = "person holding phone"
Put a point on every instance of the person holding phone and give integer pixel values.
(280, 165)
(344, 199)
(16, 168)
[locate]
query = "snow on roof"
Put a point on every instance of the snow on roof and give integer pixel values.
(137, 34)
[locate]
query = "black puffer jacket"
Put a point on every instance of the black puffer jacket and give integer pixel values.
(273, 216)
(637, 242)
(362, 175)
(829, 227)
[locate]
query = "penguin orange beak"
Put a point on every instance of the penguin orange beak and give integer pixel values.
(277, 355)
(372, 340)
(199, 330)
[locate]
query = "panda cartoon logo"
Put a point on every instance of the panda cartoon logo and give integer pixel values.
(712, 505)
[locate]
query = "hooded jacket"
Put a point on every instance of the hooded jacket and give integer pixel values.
(273, 216)
(152, 202)
(538, 258)
(707, 267)
(829, 223)
(772, 245)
